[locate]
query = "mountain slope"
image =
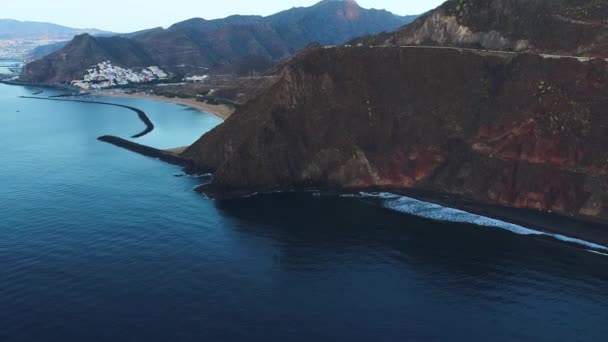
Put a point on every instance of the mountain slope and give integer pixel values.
(235, 40)
(213, 43)
(72, 61)
(45, 50)
(575, 27)
(14, 29)
(333, 22)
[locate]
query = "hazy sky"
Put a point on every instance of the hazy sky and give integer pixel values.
(133, 15)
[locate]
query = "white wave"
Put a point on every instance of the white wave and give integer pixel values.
(439, 213)
(199, 175)
(596, 252)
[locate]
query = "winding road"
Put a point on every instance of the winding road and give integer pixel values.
(478, 51)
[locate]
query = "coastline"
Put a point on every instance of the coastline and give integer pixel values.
(148, 151)
(576, 227)
(177, 150)
(37, 85)
(551, 225)
(221, 111)
(582, 228)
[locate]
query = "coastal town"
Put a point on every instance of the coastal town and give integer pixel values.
(20, 49)
(106, 75)
(10, 69)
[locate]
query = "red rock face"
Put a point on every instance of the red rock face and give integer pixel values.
(526, 142)
(350, 12)
(405, 169)
(520, 131)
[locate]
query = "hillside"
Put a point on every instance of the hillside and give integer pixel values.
(81, 53)
(518, 131)
(574, 27)
(28, 30)
(218, 44)
(45, 50)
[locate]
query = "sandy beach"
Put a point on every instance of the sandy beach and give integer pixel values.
(177, 150)
(221, 111)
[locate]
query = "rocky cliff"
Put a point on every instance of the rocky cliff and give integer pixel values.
(514, 130)
(575, 27)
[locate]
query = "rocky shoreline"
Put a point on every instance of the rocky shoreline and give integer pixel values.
(578, 228)
(586, 229)
(514, 131)
(583, 228)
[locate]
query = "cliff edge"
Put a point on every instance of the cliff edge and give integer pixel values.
(519, 131)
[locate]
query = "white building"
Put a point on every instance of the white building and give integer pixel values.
(105, 75)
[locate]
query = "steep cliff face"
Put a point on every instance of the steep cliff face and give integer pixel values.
(518, 131)
(576, 27)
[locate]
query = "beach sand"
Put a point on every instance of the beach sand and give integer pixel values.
(221, 111)
(177, 150)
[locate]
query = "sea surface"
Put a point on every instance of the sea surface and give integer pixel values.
(9, 67)
(101, 244)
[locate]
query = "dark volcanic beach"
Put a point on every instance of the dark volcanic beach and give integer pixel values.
(589, 230)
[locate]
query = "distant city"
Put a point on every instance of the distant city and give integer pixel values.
(20, 50)
(9, 69)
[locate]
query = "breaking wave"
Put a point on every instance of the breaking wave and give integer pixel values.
(437, 212)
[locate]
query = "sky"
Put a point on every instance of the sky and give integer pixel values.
(133, 15)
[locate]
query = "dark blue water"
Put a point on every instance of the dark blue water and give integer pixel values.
(100, 244)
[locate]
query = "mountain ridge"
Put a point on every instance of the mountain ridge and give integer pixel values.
(16, 29)
(83, 52)
(539, 26)
(198, 43)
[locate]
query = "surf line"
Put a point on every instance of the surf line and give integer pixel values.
(140, 113)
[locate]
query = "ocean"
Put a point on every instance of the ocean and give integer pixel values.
(10, 68)
(101, 244)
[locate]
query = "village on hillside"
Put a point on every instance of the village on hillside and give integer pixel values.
(105, 75)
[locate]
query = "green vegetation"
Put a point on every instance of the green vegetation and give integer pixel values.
(463, 8)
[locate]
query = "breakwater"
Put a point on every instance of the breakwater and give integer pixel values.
(148, 151)
(140, 113)
(168, 157)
